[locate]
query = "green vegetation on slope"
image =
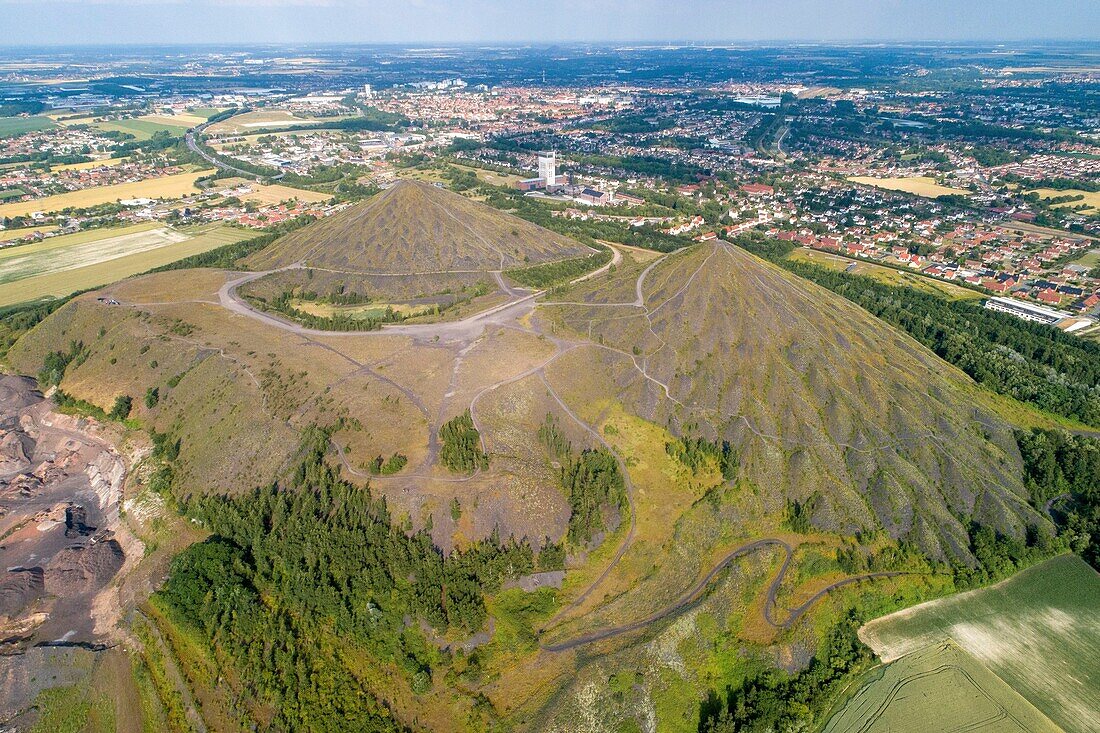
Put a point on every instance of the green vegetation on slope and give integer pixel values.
(594, 483)
(1030, 362)
(302, 581)
(461, 451)
(555, 273)
(775, 701)
(1057, 464)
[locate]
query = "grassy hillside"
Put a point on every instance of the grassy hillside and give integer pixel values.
(417, 227)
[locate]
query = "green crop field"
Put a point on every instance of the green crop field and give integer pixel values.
(140, 129)
(63, 265)
(10, 126)
(940, 687)
(1039, 631)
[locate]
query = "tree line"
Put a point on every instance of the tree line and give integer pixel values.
(1031, 362)
(300, 576)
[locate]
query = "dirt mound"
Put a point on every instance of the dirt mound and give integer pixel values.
(19, 589)
(823, 403)
(418, 228)
(17, 393)
(15, 449)
(78, 570)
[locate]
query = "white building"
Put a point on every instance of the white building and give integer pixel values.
(548, 171)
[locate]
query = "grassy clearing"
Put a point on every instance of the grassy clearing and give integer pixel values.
(12, 126)
(165, 187)
(919, 185)
(73, 710)
(104, 261)
(967, 697)
(1089, 259)
(887, 275)
(205, 112)
(1038, 631)
(1091, 198)
(141, 129)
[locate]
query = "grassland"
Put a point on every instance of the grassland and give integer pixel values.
(63, 265)
(887, 275)
(11, 126)
(1091, 198)
(919, 185)
(1038, 631)
(898, 698)
(174, 186)
(1089, 259)
(141, 128)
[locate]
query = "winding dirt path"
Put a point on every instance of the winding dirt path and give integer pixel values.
(696, 594)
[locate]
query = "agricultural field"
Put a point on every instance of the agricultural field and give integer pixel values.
(179, 120)
(142, 128)
(175, 186)
(271, 194)
(106, 162)
(1039, 631)
(919, 185)
(262, 119)
(940, 687)
(10, 126)
(887, 275)
(1091, 198)
(205, 112)
(63, 265)
(10, 235)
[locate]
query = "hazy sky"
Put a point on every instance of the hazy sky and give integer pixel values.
(430, 21)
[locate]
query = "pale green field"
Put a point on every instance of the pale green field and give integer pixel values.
(58, 270)
(141, 129)
(1039, 631)
(938, 688)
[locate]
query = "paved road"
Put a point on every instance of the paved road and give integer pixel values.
(193, 145)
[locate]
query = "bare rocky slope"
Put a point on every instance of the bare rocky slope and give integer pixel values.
(825, 404)
(417, 228)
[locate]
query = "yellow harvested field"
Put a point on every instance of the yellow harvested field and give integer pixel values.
(166, 187)
(275, 193)
(9, 235)
(51, 269)
(175, 120)
(919, 185)
(87, 166)
(1091, 198)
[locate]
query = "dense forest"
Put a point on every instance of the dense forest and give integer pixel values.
(773, 700)
(303, 581)
(1031, 362)
(1061, 469)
